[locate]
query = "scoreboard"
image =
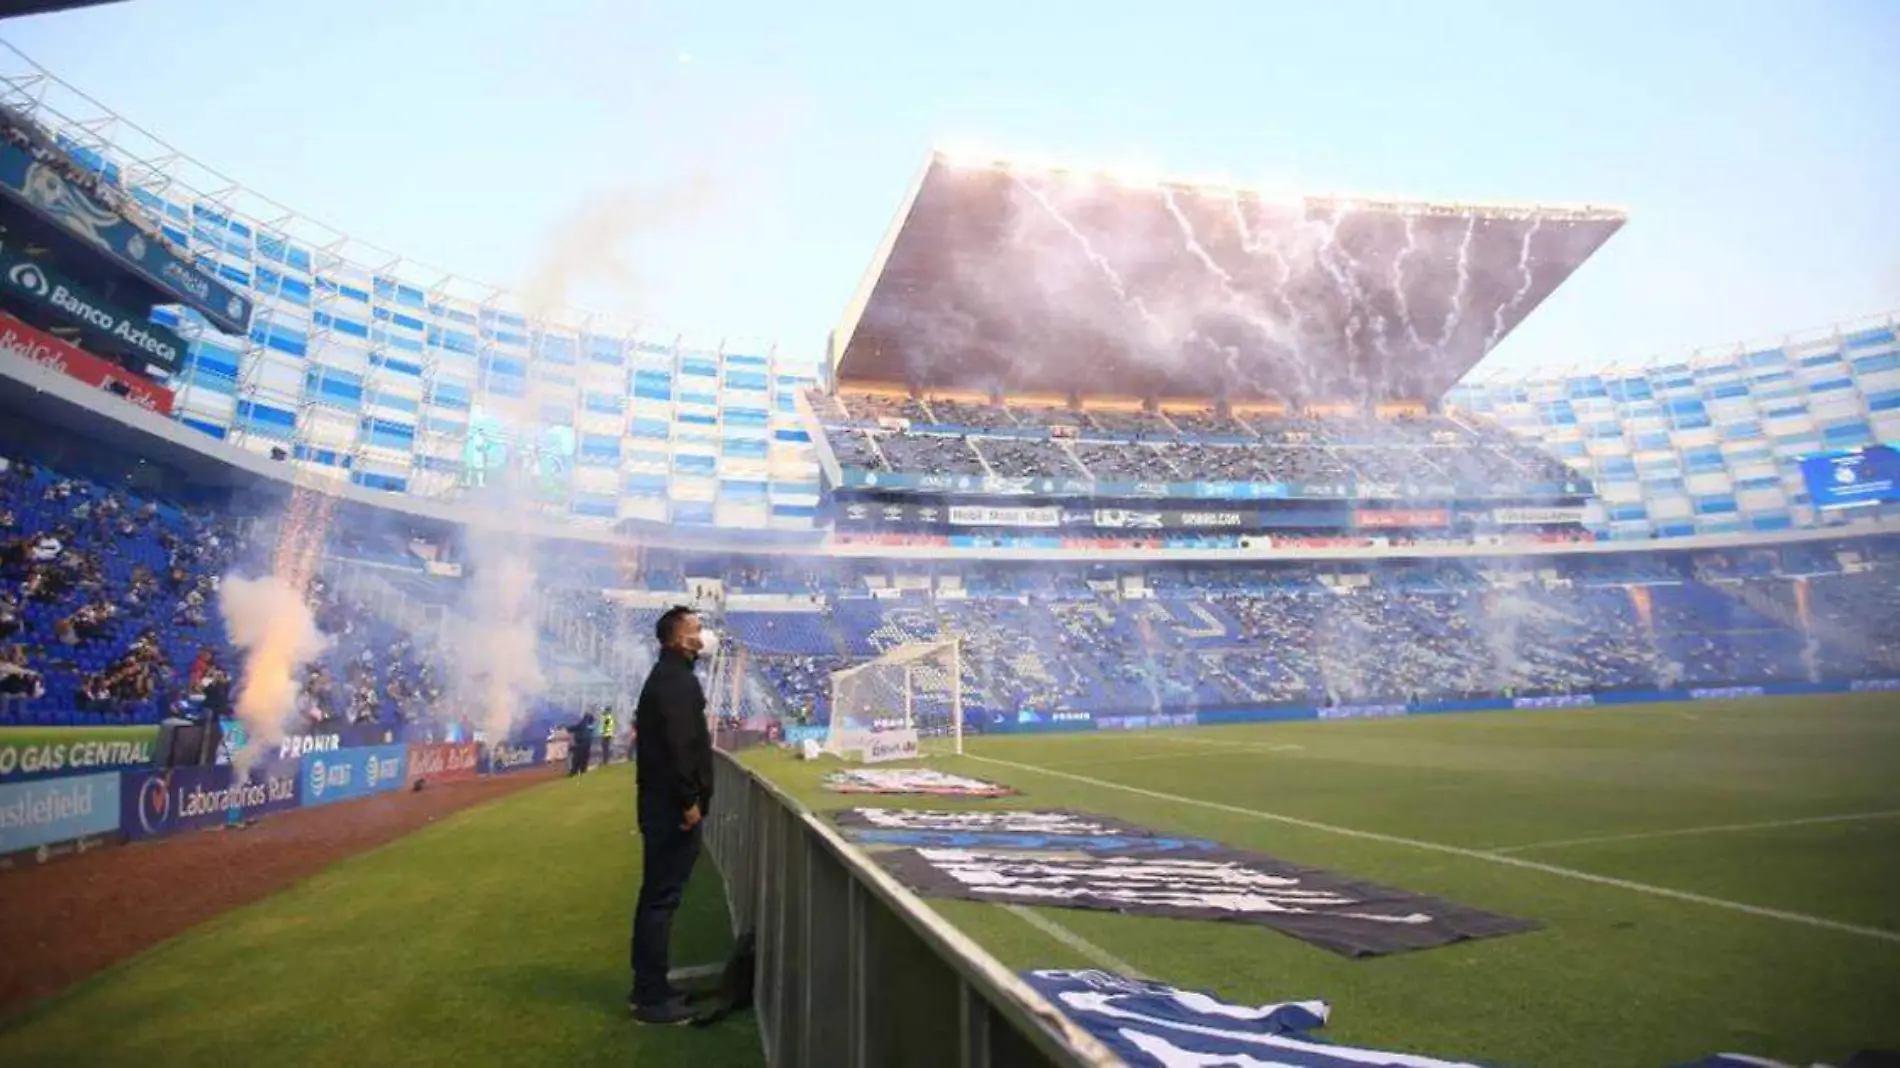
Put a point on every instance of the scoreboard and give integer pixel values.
(1857, 476)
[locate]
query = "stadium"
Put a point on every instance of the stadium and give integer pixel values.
(1139, 563)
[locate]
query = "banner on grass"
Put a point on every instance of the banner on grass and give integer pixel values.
(1013, 829)
(1351, 918)
(158, 803)
(44, 752)
(347, 774)
(444, 763)
(1153, 1025)
(57, 810)
(910, 781)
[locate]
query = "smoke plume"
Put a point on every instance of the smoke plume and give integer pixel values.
(494, 637)
(587, 251)
(270, 621)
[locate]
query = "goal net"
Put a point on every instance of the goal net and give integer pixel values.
(905, 703)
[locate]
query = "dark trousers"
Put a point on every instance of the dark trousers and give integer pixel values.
(577, 753)
(667, 860)
(606, 750)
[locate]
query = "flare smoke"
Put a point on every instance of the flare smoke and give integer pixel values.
(587, 247)
(270, 621)
(494, 638)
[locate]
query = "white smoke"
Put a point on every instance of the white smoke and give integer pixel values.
(269, 620)
(1503, 618)
(492, 642)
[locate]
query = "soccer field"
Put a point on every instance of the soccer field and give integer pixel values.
(1709, 877)
(497, 936)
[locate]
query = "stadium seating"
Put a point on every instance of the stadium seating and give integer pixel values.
(1345, 634)
(107, 614)
(915, 436)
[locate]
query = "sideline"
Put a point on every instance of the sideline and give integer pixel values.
(1877, 933)
(1722, 828)
(1096, 954)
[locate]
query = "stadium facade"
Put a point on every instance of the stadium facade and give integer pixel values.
(359, 365)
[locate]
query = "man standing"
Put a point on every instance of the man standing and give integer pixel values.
(673, 765)
(580, 744)
(606, 736)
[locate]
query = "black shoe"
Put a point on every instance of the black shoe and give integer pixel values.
(674, 996)
(667, 1014)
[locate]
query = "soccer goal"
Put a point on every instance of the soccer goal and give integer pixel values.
(906, 703)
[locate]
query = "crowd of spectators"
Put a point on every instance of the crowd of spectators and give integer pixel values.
(1327, 635)
(946, 436)
(109, 614)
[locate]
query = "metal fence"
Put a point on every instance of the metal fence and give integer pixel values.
(854, 971)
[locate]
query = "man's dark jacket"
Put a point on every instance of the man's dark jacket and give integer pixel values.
(672, 746)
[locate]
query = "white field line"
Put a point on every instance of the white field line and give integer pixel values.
(1096, 954)
(1783, 915)
(1725, 828)
(1245, 747)
(1181, 754)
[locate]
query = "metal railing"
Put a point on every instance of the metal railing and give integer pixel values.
(855, 971)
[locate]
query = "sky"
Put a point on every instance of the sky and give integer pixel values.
(728, 169)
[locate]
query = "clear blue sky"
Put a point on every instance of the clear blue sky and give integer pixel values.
(763, 147)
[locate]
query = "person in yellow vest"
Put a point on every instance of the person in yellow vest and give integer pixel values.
(606, 736)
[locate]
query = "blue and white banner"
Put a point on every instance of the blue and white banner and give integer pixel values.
(1153, 1025)
(39, 185)
(347, 774)
(57, 810)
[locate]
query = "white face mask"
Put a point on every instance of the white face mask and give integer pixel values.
(708, 643)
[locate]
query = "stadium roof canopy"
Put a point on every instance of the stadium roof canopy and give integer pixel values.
(998, 276)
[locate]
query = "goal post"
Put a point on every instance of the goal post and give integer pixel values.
(907, 702)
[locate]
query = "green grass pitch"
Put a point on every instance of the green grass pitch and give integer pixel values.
(1621, 976)
(497, 936)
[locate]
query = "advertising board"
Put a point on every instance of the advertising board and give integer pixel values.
(499, 759)
(1856, 476)
(35, 181)
(103, 324)
(347, 774)
(155, 803)
(45, 752)
(884, 746)
(19, 339)
(1537, 516)
(57, 810)
(444, 763)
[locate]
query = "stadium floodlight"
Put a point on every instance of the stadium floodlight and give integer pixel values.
(905, 703)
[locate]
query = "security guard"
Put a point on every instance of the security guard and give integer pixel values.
(606, 736)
